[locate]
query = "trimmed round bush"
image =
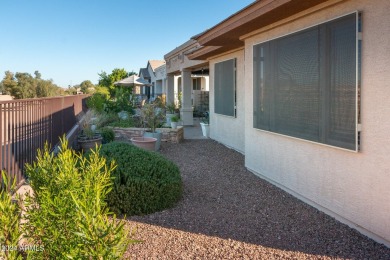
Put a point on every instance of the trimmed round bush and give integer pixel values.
(144, 182)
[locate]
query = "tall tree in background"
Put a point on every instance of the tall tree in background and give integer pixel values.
(8, 83)
(87, 87)
(108, 80)
(27, 86)
(23, 85)
(37, 75)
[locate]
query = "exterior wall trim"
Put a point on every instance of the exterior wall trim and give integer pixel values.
(226, 53)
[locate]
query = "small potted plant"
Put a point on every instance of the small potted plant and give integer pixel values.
(152, 117)
(174, 121)
(205, 124)
(89, 137)
(170, 112)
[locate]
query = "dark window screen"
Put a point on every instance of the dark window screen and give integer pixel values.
(225, 87)
(305, 84)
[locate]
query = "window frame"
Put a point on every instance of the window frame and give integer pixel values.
(195, 85)
(358, 48)
(234, 87)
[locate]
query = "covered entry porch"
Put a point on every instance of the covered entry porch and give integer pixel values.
(187, 82)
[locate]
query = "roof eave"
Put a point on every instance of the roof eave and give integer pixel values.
(254, 16)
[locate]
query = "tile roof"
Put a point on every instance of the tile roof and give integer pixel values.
(156, 63)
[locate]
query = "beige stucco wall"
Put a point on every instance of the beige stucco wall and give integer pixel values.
(176, 60)
(353, 187)
(225, 129)
(161, 73)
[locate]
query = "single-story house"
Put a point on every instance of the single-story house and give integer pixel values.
(301, 89)
(188, 79)
(149, 74)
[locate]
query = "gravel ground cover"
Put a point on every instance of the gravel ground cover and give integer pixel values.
(229, 213)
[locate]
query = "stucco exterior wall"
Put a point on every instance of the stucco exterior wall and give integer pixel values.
(161, 78)
(353, 187)
(225, 129)
(161, 72)
(176, 60)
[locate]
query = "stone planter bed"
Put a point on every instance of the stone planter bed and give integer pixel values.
(168, 134)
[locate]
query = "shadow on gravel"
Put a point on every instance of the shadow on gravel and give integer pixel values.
(223, 199)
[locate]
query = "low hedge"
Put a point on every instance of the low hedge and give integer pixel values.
(144, 182)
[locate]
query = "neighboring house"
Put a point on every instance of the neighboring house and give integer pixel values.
(188, 77)
(160, 79)
(149, 74)
(5, 97)
(144, 74)
(301, 88)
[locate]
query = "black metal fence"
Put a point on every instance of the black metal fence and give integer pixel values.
(25, 126)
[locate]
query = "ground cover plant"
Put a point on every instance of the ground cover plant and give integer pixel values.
(144, 182)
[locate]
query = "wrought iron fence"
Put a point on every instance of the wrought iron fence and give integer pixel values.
(25, 126)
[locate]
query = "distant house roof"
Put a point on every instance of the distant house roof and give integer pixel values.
(5, 97)
(154, 64)
(144, 73)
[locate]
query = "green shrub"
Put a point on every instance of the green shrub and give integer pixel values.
(144, 182)
(10, 215)
(96, 102)
(108, 135)
(123, 123)
(68, 216)
(104, 119)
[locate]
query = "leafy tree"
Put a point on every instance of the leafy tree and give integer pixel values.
(46, 88)
(8, 83)
(87, 87)
(37, 74)
(23, 85)
(26, 87)
(108, 80)
(103, 91)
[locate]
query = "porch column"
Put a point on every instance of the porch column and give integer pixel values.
(170, 89)
(164, 86)
(186, 113)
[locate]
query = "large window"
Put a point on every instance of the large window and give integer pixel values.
(305, 84)
(225, 87)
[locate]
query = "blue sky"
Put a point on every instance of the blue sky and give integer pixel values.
(70, 41)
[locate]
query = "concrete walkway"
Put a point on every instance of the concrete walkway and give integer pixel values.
(195, 131)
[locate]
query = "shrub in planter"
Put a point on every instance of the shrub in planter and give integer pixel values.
(68, 217)
(144, 182)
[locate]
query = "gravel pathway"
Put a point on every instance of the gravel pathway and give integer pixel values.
(229, 213)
